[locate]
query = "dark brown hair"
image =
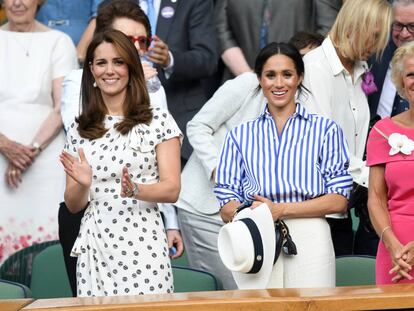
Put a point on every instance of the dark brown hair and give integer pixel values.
(302, 39)
(280, 48)
(136, 105)
(114, 9)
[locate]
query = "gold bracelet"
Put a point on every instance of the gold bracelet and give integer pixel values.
(383, 231)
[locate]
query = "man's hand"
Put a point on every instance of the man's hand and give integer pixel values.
(158, 52)
(174, 239)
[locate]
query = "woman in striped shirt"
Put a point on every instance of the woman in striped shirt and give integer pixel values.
(294, 161)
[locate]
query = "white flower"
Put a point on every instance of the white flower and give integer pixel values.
(400, 143)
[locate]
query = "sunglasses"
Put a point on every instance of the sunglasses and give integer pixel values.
(143, 41)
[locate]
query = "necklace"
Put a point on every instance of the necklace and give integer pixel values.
(25, 47)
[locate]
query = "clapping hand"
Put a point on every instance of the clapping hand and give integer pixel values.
(78, 169)
(128, 188)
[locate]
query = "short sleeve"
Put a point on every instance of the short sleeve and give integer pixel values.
(377, 145)
(72, 139)
(167, 126)
(64, 56)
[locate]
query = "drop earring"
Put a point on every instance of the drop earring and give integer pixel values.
(94, 84)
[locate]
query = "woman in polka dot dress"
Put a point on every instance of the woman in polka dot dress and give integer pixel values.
(122, 157)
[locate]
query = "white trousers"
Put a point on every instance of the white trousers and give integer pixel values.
(314, 265)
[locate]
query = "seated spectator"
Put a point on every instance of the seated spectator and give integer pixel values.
(334, 75)
(255, 166)
(121, 157)
(34, 59)
(390, 157)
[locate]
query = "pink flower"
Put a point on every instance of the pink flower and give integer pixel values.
(23, 241)
(368, 83)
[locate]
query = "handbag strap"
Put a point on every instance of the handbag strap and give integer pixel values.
(241, 207)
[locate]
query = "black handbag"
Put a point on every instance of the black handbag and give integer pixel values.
(359, 194)
(358, 200)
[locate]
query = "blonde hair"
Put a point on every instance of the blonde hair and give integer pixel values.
(357, 22)
(397, 66)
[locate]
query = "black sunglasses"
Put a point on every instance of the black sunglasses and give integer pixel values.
(399, 27)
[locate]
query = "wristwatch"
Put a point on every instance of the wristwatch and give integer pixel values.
(36, 146)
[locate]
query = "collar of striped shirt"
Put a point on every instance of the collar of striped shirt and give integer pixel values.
(299, 111)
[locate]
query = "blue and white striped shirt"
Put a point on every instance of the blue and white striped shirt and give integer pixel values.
(308, 159)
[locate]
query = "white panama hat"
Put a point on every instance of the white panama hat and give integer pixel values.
(247, 247)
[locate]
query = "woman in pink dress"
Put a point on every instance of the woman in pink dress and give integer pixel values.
(390, 155)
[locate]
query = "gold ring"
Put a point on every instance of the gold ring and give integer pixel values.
(13, 172)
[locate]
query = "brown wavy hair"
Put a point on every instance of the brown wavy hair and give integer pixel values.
(136, 106)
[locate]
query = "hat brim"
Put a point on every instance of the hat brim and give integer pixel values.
(262, 216)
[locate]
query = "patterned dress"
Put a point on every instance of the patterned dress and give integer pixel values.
(122, 246)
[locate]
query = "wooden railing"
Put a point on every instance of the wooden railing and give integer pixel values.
(340, 298)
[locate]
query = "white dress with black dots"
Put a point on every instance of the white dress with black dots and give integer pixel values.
(122, 246)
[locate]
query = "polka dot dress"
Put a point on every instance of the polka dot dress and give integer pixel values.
(122, 246)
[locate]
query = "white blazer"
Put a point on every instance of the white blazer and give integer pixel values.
(235, 102)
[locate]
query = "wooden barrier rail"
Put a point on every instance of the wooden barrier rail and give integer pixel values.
(341, 298)
(14, 304)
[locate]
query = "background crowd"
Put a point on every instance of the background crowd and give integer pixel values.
(221, 76)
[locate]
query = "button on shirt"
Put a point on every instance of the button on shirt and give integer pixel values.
(334, 94)
(69, 16)
(309, 158)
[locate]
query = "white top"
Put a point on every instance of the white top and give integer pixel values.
(29, 62)
(388, 93)
(338, 96)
